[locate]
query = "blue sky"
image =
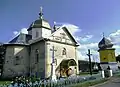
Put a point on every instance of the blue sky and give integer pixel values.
(92, 17)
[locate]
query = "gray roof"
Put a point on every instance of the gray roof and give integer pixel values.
(39, 23)
(21, 39)
(105, 43)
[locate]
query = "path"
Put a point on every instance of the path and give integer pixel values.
(113, 82)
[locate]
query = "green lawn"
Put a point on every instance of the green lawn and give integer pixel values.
(5, 82)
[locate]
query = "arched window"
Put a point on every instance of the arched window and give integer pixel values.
(64, 51)
(36, 56)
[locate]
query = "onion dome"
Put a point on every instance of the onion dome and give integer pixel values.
(105, 43)
(40, 22)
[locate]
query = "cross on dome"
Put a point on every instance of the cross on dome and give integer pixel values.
(41, 12)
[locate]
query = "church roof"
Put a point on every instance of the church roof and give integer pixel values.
(21, 39)
(105, 43)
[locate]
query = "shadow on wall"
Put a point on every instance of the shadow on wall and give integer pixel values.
(16, 62)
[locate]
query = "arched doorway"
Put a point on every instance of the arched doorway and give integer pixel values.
(68, 67)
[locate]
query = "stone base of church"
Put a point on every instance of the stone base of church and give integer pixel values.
(113, 66)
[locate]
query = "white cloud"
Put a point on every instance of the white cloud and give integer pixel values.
(115, 37)
(23, 30)
(71, 27)
(116, 46)
(83, 50)
(84, 39)
(88, 46)
(15, 32)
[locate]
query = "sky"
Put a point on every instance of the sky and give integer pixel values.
(86, 20)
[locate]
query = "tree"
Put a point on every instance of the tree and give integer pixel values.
(118, 58)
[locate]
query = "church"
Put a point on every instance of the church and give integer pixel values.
(32, 54)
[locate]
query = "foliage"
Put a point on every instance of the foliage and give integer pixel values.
(5, 82)
(118, 58)
(87, 73)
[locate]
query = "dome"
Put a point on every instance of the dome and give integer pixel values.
(105, 43)
(41, 22)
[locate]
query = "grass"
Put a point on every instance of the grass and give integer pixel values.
(89, 83)
(86, 73)
(5, 82)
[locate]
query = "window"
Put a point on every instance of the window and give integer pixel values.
(64, 51)
(17, 60)
(37, 33)
(36, 56)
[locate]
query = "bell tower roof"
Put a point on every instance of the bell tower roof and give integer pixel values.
(105, 43)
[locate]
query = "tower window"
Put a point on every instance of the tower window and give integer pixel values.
(36, 56)
(37, 33)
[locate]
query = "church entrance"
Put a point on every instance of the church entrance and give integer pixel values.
(68, 68)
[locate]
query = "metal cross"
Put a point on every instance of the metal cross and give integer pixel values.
(41, 9)
(41, 13)
(103, 34)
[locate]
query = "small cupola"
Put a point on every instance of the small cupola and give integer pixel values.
(39, 28)
(40, 22)
(105, 43)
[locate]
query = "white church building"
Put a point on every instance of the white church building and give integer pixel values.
(33, 53)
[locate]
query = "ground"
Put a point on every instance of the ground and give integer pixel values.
(113, 82)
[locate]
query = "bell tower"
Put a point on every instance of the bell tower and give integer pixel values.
(107, 54)
(40, 28)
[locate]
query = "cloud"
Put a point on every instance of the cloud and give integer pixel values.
(88, 46)
(83, 50)
(84, 39)
(115, 37)
(71, 27)
(15, 32)
(23, 30)
(117, 49)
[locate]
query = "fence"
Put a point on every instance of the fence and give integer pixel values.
(59, 83)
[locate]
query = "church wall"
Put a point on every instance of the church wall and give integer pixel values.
(38, 67)
(16, 61)
(46, 32)
(70, 54)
